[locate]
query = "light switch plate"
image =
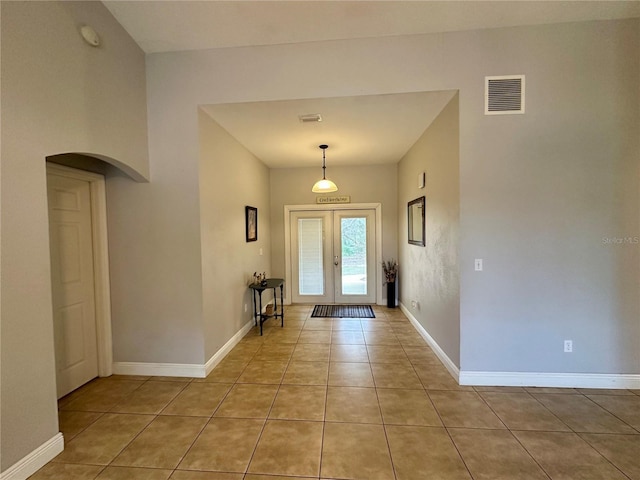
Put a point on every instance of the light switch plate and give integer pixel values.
(478, 265)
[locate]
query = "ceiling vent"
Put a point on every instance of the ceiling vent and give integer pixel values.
(504, 95)
(310, 118)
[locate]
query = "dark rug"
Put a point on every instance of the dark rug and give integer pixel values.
(343, 311)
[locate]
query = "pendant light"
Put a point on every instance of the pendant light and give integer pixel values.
(324, 185)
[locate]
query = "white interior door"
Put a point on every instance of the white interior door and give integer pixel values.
(72, 278)
(333, 256)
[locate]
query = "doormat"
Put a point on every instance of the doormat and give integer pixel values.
(343, 311)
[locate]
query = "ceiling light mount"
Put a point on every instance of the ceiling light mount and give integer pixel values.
(325, 185)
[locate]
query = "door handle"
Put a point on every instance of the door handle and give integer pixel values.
(335, 260)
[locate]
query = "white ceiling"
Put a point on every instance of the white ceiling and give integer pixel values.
(359, 130)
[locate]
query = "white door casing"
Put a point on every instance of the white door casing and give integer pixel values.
(79, 275)
(332, 251)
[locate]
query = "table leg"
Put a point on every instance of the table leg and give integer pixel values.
(255, 311)
(260, 312)
(281, 307)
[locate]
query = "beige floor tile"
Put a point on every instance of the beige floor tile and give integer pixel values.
(347, 337)
(375, 325)
(495, 455)
(104, 439)
(101, 396)
(283, 336)
(227, 371)
(306, 373)
(225, 445)
(349, 353)
(583, 415)
(151, 397)
(565, 456)
(343, 374)
(626, 408)
(410, 339)
(352, 404)
(274, 352)
(263, 371)
(346, 324)
(604, 391)
(621, 450)
(311, 352)
(288, 448)
(163, 443)
(387, 354)
(198, 399)
(393, 375)
(407, 407)
(273, 477)
(377, 337)
(421, 453)
(190, 475)
(315, 336)
(500, 389)
(248, 401)
(72, 423)
(355, 451)
(130, 473)
(464, 409)
(436, 377)
(171, 379)
(564, 391)
(66, 471)
(299, 402)
(318, 324)
(520, 411)
(422, 355)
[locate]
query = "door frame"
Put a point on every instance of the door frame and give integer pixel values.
(332, 207)
(102, 291)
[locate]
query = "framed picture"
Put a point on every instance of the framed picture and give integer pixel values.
(415, 220)
(251, 219)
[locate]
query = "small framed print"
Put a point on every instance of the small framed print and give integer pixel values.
(251, 219)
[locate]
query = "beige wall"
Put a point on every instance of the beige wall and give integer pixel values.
(429, 275)
(58, 95)
(521, 177)
(230, 179)
(371, 184)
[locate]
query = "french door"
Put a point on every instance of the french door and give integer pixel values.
(333, 256)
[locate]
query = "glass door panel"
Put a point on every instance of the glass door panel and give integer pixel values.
(354, 251)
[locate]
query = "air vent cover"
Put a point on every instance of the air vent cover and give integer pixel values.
(310, 118)
(504, 95)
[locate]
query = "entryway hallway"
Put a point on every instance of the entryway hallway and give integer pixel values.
(341, 399)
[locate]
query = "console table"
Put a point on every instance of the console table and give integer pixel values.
(260, 317)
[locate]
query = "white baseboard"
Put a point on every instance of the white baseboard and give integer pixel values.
(159, 369)
(34, 461)
(226, 348)
(559, 380)
(193, 370)
(444, 358)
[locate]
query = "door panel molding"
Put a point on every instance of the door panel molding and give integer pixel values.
(288, 209)
(100, 261)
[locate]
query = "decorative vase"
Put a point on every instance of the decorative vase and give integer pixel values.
(391, 294)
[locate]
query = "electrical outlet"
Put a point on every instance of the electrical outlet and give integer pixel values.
(245, 307)
(568, 346)
(414, 304)
(478, 265)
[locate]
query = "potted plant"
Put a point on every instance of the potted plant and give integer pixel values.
(390, 268)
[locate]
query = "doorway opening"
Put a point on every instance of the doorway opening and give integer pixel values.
(332, 255)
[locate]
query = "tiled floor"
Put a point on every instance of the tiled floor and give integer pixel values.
(341, 399)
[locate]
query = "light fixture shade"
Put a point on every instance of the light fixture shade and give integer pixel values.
(324, 186)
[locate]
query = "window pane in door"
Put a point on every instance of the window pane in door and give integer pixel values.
(353, 233)
(311, 274)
